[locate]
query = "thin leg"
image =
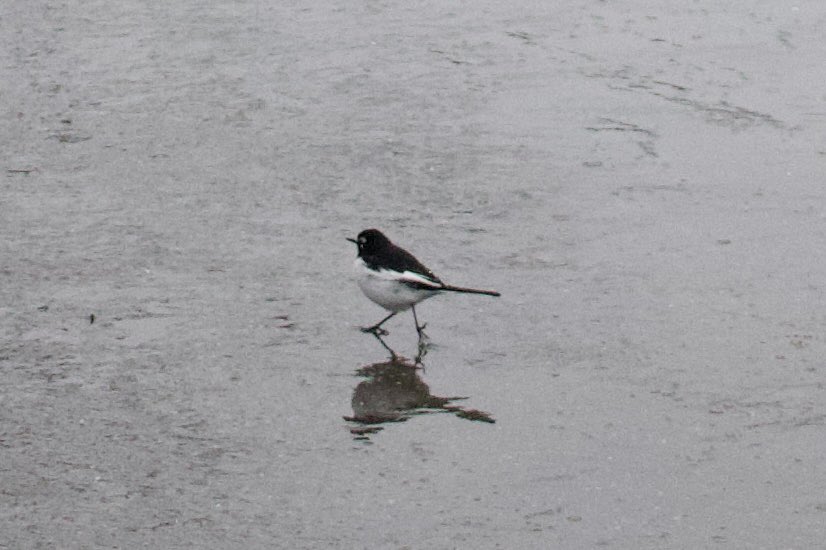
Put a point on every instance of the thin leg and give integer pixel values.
(376, 329)
(419, 328)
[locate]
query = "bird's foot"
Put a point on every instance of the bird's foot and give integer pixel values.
(375, 330)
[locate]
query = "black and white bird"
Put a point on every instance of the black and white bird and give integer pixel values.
(394, 279)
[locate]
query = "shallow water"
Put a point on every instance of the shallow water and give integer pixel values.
(643, 183)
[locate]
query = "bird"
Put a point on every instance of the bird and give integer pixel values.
(393, 278)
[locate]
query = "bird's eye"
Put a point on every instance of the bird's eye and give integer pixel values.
(362, 240)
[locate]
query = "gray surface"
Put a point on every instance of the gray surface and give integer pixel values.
(643, 182)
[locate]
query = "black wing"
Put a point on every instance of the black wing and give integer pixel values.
(399, 259)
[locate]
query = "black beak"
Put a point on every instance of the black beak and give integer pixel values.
(351, 240)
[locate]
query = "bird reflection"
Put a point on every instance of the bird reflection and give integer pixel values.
(394, 391)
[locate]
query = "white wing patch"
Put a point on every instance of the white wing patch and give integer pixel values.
(410, 277)
(392, 275)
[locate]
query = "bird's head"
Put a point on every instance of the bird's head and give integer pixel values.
(370, 241)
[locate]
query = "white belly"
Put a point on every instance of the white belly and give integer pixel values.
(386, 291)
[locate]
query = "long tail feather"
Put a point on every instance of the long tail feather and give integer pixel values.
(470, 290)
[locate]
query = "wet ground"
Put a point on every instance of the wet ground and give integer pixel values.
(181, 365)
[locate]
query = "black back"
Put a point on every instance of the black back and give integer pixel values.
(379, 253)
